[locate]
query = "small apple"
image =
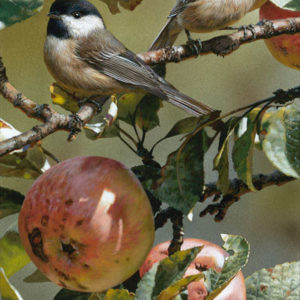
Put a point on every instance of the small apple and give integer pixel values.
(87, 223)
(211, 256)
(285, 48)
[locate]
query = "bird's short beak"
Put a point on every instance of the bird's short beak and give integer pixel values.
(54, 15)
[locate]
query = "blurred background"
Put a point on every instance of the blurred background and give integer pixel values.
(268, 219)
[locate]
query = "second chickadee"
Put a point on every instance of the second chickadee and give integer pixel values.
(84, 57)
(202, 16)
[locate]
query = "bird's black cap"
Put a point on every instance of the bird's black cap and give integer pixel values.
(67, 7)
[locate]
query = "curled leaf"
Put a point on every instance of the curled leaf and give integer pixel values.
(217, 281)
(242, 154)
(280, 135)
(12, 12)
(7, 290)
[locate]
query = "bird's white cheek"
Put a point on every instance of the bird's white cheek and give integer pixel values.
(83, 26)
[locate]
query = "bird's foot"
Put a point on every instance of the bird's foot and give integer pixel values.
(243, 28)
(95, 101)
(195, 45)
(251, 28)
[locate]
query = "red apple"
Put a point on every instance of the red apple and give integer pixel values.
(87, 223)
(211, 256)
(285, 48)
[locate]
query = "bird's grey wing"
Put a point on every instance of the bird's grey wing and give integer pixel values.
(111, 58)
(114, 60)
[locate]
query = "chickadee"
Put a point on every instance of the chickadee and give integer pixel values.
(84, 57)
(202, 16)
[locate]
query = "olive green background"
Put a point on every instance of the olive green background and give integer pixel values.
(268, 219)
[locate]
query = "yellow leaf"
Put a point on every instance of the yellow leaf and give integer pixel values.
(7, 291)
(175, 289)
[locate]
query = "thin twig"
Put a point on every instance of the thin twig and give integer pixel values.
(51, 155)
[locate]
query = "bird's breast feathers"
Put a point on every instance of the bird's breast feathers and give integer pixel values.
(205, 16)
(72, 72)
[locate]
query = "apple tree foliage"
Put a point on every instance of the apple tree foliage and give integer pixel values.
(178, 183)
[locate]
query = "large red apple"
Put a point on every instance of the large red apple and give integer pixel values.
(285, 48)
(87, 223)
(211, 256)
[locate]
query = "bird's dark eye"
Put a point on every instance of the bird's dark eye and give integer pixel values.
(76, 14)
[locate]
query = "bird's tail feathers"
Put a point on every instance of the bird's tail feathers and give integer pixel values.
(187, 103)
(167, 36)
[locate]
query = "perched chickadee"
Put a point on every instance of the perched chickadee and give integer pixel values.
(84, 57)
(202, 16)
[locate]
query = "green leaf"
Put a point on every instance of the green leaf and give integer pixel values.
(10, 202)
(65, 294)
(36, 276)
(179, 286)
(146, 113)
(217, 281)
(97, 296)
(288, 4)
(146, 172)
(186, 125)
(221, 161)
(12, 254)
(15, 11)
(281, 283)
(28, 165)
(127, 104)
(242, 154)
(182, 190)
(7, 290)
(280, 134)
(165, 273)
(127, 4)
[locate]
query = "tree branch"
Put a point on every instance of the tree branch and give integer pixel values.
(178, 233)
(225, 44)
(237, 188)
(53, 121)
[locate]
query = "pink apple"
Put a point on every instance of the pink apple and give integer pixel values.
(87, 223)
(285, 48)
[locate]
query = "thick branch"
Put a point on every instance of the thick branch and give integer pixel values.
(237, 188)
(225, 44)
